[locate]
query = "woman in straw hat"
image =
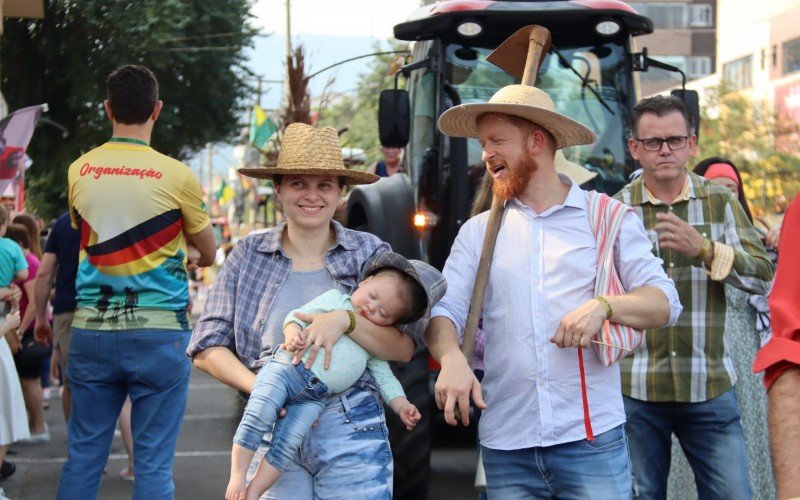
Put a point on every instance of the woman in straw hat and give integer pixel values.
(542, 308)
(269, 274)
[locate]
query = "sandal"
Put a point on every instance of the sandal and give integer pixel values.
(127, 474)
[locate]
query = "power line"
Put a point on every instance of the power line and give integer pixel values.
(199, 49)
(211, 36)
(355, 58)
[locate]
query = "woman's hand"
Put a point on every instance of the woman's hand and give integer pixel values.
(11, 294)
(11, 321)
(9, 329)
(323, 330)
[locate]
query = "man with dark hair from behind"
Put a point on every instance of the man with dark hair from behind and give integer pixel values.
(142, 220)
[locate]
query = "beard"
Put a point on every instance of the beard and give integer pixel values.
(517, 179)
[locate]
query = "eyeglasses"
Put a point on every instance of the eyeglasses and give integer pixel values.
(655, 143)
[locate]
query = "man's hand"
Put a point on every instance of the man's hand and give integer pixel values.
(454, 386)
(43, 334)
(323, 330)
(578, 327)
(192, 256)
(773, 235)
(676, 234)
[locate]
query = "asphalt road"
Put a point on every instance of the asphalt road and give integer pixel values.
(203, 454)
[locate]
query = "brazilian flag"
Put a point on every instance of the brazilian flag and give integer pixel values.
(262, 127)
(225, 193)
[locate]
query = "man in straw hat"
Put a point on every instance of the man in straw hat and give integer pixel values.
(533, 428)
(269, 274)
(681, 380)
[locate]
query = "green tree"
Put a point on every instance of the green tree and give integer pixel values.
(761, 143)
(195, 48)
(359, 111)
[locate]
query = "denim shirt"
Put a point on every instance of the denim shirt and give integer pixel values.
(252, 277)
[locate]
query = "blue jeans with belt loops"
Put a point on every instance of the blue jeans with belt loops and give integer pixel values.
(345, 456)
(104, 368)
(597, 470)
(281, 384)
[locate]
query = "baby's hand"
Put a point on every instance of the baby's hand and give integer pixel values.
(296, 342)
(410, 415)
(237, 487)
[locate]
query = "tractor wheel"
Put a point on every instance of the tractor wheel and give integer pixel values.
(412, 449)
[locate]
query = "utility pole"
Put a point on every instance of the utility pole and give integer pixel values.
(288, 27)
(287, 88)
(209, 173)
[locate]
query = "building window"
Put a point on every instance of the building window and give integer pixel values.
(665, 15)
(791, 56)
(701, 16)
(698, 66)
(739, 73)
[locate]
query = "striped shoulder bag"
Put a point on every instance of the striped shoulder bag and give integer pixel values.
(605, 218)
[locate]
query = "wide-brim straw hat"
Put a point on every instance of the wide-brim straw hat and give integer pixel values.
(307, 150)
(578, 174)
(524, 101)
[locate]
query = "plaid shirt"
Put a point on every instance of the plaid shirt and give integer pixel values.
(689, 362)
(250, 280)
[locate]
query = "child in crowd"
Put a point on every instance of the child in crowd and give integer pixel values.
(387, 296)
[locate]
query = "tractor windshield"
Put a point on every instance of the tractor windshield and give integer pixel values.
(588, 83)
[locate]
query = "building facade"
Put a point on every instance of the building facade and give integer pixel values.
(684, 36)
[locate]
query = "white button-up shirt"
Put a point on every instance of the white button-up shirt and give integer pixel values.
(544, 266)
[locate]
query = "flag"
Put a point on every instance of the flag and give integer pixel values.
(262, 127)
(225, 193)
(16, 131)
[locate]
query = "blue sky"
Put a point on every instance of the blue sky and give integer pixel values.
(354, 32)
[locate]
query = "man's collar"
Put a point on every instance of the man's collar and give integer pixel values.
(272, 239)
(575, 197)
(693, 187)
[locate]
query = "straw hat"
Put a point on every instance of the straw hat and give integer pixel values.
(524, 101)
(578, 174)
(306, 150)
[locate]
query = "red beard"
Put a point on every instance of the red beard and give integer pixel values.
(516, 181)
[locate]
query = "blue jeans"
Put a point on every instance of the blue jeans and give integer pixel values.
(597, 469)
(345, 456)
(105, 367)
(281, 384)
(712, 439)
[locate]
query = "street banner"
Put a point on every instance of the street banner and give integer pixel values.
(262, 127)
(16, 131)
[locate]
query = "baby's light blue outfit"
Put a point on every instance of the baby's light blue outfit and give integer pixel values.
(301, 391)
(11, 260)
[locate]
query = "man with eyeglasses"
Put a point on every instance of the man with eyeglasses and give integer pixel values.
(681, 380)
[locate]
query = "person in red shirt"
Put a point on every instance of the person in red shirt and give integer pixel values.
(780, 357)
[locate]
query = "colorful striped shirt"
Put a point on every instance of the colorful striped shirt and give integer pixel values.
(133, 207)
(690, 361)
